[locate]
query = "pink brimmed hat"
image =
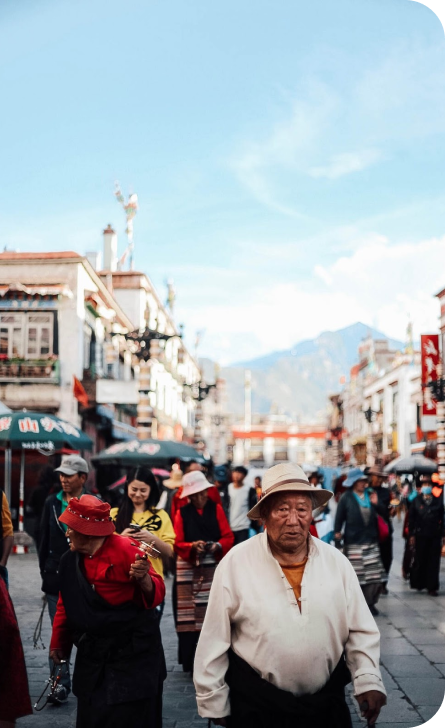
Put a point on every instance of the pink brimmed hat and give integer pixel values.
(88, 515)
(194, 482)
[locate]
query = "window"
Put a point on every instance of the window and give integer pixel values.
(39, 335)
(12, 331)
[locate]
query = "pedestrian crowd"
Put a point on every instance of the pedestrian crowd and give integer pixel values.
(275, 587)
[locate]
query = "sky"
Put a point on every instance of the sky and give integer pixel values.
(288, 156)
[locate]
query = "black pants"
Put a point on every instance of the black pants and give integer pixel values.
(95, 713)
(426, 567)
(187, 644)
(386, 554)
(241, 536)
(256, 703)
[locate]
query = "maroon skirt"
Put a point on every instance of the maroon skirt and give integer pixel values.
(14, 693)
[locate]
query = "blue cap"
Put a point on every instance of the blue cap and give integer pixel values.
(354, 475)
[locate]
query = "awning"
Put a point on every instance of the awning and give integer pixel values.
(53, 289)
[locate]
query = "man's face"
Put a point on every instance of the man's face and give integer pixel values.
(289, 520)
(72, 485)
(376, 481)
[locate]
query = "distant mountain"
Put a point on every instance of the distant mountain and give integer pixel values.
(297, 381)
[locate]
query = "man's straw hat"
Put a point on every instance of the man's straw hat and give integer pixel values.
(289, 477)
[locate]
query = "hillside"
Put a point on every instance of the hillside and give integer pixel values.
(298, 381)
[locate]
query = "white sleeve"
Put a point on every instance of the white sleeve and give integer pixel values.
(363, 646)
(212, 659)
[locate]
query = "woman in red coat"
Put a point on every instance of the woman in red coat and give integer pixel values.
(203, 537)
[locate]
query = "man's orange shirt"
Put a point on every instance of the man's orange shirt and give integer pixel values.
(294, 575)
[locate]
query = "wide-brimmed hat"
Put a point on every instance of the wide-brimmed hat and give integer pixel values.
(375, 470)
(353, 476)
(175, 479)
(289, 477)
(88, 515)
(194, 482)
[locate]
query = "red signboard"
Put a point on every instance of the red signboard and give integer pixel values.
(430, 361)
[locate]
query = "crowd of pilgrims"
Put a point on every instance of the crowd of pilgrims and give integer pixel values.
(192, 523)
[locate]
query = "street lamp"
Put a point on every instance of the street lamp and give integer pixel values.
(148, 348)
(199, 392)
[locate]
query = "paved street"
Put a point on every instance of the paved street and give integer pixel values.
(413, 653)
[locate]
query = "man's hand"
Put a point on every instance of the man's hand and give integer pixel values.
(370, 705)
(139, 569)
(218, 721)
(56, 656)
(199, 546)
(374, 499)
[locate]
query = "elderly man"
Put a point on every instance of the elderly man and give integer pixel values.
(108, 592)
(286, 620)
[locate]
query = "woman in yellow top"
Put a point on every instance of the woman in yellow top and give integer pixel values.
(138, 508)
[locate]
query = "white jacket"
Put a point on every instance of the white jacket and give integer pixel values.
(253, 610)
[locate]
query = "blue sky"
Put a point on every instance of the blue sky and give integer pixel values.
(288, 156)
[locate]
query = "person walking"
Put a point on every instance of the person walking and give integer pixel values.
(108, 595)
(361, 537)
(54, 543)
(140, 519)
(6, 536)
(426, 525)
(241, 500)
(203, 537)
(287, 624)
(376, 479)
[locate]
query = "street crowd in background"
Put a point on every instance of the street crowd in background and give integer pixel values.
(256, 569)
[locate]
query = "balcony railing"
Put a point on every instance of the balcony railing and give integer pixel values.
(30, 371)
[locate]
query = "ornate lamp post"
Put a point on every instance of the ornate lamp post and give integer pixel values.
(369, 416)
(147, 350)
(200, 391)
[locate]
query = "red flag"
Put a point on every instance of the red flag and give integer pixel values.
(80, 393)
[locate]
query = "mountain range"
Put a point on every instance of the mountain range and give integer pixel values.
(298, 381)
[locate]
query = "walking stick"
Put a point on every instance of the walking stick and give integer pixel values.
(38, 630)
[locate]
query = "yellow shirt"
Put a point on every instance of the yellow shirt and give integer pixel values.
(157, 522)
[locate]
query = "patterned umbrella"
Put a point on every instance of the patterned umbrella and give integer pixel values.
(147, 452)
(37, 431)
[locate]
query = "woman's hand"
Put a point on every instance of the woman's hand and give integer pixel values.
(374, 499)
(139, 569)
(56, 656)
(337, 536)
(215, 547)
(199, 546)
(128, 532)
(142, 535)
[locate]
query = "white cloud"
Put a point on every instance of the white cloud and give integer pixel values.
(382, 285)
(342, 164)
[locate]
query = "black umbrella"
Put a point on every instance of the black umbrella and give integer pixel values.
(147, 452)
(412, 464)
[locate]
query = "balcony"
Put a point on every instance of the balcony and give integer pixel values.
(31, 371)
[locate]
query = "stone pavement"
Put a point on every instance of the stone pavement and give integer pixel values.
(412, 626)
